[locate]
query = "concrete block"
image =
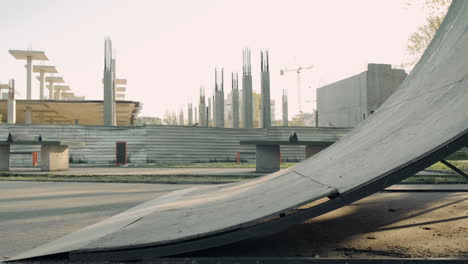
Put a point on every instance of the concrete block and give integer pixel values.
(5, 158)
(54, 158)
(268, 158)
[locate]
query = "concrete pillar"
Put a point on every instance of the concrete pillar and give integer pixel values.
(196, 119)
(114, 105)
(57, 95)
(267, 158)
(190, 115)
(41, 85)
(247, 103)
(265, 84)
(209, 120)
(11, 104)
(202, 109)
(4, 157)
(181, 117)
(285, 108)
(220, 109)
(28, 77)
(54, 158)
(235, 101)
(108, 100)
(109, 93)
(51, 90)
(219, 97)
(214, 109)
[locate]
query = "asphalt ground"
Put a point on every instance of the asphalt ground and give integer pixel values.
(427, 224)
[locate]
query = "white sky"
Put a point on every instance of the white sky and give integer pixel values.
(168, 49)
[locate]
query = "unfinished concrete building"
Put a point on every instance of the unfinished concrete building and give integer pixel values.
(348, 102)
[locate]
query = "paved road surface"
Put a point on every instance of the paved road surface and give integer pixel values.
(426, 224)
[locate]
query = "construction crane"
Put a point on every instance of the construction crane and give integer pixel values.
(298, 71)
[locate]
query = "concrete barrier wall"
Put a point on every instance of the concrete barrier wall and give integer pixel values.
(157, 144)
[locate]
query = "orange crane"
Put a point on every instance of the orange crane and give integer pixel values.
(298, 71)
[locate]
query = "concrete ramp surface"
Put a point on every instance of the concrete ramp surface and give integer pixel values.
(425, 120)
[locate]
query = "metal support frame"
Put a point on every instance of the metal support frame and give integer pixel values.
(151, 251)
(454, 168)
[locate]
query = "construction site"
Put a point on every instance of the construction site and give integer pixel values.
(375, 172)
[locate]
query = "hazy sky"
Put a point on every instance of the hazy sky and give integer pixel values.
(168, 49)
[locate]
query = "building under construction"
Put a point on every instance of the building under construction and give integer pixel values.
(62, 106)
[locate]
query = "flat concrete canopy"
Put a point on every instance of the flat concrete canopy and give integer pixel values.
(24, 54)
(4, 86)
(66, 112)
(425, 120)
(61, 87)
(54, 79)
(275, 142)
(121, 81)
(44, 68)
(42, 143)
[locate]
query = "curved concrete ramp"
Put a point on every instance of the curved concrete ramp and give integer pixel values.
(425, 120)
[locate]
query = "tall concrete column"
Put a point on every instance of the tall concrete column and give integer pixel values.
(214, 108)
(108, 85)
(190, 114)
(209, 120)
(196, 119)
(235, 101)
(247, 103)
(11, 103)
(51, 90)
(219, 97)
(114, 95)
(57, 94)
(28, 77)
(202, 108)
(181, 117)
(41, 85)
(265, 84)
(285, 108)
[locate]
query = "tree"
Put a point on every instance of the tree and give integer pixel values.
(297, 120)
(148, 120)
(419, 40)
(169, 118)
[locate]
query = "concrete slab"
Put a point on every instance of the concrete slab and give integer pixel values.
(24, 54)
(425, 120)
